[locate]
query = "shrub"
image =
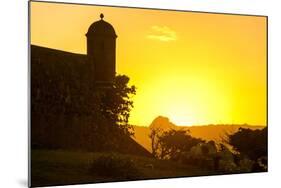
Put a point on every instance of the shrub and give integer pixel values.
(114, 165)
(251, 143)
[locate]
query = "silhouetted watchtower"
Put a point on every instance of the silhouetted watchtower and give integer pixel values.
(101, 47)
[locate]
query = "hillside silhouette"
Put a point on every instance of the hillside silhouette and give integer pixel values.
(206, 132)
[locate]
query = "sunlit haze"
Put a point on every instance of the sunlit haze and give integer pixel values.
(195, 68)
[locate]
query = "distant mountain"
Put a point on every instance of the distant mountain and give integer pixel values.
(206, 132)
(162, 122)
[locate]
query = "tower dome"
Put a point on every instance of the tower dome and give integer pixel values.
(101, 48)
(101, 27)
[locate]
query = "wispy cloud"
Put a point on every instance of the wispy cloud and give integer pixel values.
(162, 33)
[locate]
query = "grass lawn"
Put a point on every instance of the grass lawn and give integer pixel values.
(55, 167)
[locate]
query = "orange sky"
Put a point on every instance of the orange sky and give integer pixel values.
(195, 68)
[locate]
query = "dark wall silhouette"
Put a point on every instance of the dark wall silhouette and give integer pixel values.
(66, 90)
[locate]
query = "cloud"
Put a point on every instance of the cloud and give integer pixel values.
(162, 33)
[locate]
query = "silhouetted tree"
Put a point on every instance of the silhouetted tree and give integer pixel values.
(175, 142)
(116, 103)
(154, 135)
(252, 144)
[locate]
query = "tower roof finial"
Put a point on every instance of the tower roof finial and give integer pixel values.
(101, 16)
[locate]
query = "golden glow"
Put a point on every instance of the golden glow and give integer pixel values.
(194, 68)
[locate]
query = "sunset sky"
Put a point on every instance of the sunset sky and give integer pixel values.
(195, 68)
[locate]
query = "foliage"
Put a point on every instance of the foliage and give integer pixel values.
(174, 142)
(114, 165)
(66, 104)
(203, 154)
(250, 147)
(248, 152)
(116, 103)
(251, 143)
(154, 135)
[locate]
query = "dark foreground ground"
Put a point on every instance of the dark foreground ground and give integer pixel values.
(50, 167)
